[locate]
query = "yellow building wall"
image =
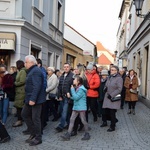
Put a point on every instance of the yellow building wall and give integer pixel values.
(76, 52)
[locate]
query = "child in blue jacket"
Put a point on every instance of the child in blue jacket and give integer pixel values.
(78, 92)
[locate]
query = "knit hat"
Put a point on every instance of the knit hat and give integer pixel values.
(51, 68)
(104, 72)
(89, 66)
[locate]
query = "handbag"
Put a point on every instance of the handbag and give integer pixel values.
(51, 96)
(1, 94)
(116, 98)
(133, 91)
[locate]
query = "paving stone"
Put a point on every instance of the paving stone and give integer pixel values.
(132, 133)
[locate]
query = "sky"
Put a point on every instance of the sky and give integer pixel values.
(97, 20)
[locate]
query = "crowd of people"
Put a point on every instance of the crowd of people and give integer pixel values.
(68, 96)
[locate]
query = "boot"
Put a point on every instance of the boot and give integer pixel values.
(86, 136)
(66, 136)
(104, 124)
(4, 136)
(129, 111)
(133, 111)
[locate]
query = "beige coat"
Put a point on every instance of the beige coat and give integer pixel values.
(131, 96)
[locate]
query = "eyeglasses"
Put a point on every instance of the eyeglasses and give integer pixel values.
(113, 70)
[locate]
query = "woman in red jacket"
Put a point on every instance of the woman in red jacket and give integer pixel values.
(92, 93)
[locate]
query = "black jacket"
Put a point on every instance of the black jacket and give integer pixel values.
(65, 84)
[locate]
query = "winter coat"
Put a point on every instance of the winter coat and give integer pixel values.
(114, 86)
(20, 88)
(79, 98)
(65, 84)
(131, 96)
(7, 85)
(34, 89)
(94, 83)
(52, 83)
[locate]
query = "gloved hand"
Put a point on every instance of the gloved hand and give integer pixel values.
(109, 96)
(105, 89)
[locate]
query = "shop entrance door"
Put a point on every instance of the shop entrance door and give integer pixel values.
(5, 58)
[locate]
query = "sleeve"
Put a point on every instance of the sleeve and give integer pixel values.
(22, 78)
(37, 81)
(76, 95)
(126, 83)
(53, 85)
(96, 82)
(119, 85)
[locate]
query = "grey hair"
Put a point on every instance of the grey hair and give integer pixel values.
(31, 58)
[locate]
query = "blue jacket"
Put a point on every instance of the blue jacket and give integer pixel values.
(34, 89)
(79, 98)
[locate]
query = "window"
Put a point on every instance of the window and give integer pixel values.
(70, 59)
(37, 18)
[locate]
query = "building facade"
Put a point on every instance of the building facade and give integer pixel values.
(77, 48)
(123, 33)
(138, 45)
(31, 27)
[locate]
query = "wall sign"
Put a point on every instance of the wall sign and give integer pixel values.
(7, 41)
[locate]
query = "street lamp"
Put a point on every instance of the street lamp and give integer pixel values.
(138, 6)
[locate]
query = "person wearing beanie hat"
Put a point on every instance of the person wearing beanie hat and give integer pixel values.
(104, 72)
(102, 91)
(90, 66)
(92, 92)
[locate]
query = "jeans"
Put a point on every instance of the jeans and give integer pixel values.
(32, 118)
(64, 107)
(4, 104)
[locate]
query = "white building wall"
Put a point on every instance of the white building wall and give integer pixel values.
(32, 22)
(77, 39)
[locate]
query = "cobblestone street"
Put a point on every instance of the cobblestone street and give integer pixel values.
(132, 133)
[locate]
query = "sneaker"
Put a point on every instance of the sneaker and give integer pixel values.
(58, 129)
(66, 136)
(86, 137)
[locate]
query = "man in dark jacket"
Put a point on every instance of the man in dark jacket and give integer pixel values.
(65, 82)
(34, 98)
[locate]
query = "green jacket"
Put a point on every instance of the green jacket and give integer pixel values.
(20, 88)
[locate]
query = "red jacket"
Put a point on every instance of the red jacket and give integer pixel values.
(94, 83)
